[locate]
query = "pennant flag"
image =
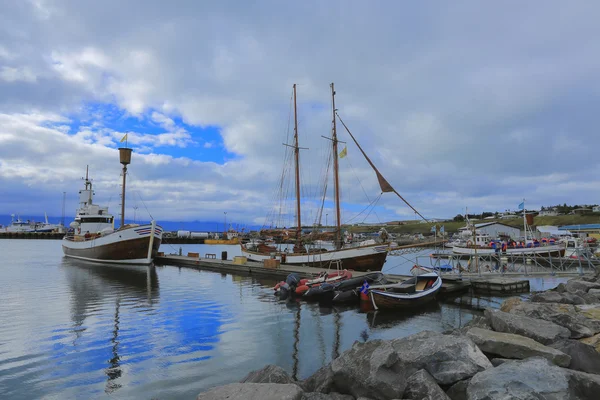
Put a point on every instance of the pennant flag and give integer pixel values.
(124, 138)
(522, 206)
(344, 152)
(364, 289)
(433, 229)
(442, 229)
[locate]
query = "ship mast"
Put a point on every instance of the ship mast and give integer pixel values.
(125, 159)
(297, 162)
(336, 180)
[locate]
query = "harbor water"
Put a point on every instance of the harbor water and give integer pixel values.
(72, 329)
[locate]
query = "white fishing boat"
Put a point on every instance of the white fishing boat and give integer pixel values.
(479, 243)
(362, 257)
(19, 226)
(94, 238)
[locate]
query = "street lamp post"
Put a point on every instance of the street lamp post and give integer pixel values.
(326, 215)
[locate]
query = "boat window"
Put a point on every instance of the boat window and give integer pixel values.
(95, 220)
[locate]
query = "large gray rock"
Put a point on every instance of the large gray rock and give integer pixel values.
(253, 391)
(564, 315)
(268, 374)
(509, 345)
(458, 391)
(422, 386)
(594, 292)
(508, 304)
(539, 330)
(370, 369)
(593, 341)
(321, 381)
(324, 396)
(583, 356)
(573, 285)
(448, 358)
(315, 396)
(533, 378)
(478, 322)
(339, 396)
(499, 361)
(555, 297)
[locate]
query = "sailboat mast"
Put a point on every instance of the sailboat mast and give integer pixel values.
(297, 162)
(336, 179)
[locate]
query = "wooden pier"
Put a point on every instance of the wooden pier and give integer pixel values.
(452, 284)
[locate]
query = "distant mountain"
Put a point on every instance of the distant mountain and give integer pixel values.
(194, 226)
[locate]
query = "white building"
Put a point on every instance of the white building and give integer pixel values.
(495, 229)
(596, 209)
(548, 213)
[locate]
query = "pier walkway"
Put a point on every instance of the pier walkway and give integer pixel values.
(489, 283)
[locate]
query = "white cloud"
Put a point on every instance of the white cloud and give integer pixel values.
(459, 105)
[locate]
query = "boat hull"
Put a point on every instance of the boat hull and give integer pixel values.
(382, 299)
(368, 258)
(552, 250)
(127, 246)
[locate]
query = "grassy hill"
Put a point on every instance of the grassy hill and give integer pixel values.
(451, 227)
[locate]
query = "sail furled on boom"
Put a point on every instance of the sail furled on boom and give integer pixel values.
(383, 183)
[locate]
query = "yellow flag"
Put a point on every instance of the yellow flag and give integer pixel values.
(124, 138)
(344, 152)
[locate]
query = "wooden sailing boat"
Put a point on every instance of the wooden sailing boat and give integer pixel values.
(94, 238)
(369, 257)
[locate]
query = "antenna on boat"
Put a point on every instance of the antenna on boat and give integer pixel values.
(125, 159)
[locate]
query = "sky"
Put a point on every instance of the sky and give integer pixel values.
(459, 104)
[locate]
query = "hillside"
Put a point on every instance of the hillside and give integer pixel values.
(451, 227)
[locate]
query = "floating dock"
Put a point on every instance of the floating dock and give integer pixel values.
(452, 284)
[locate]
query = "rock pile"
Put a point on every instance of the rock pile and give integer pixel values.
(547, 348)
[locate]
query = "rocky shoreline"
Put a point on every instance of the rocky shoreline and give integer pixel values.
(545, 348)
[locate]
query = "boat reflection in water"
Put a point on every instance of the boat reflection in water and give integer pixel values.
(91, 284)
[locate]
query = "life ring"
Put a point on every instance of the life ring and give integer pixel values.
(469, 243)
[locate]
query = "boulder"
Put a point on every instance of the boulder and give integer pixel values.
(370, 369)
(324, 396)
(421, 385)
(253, 391)
(593, 341)
(315, 396)
(595, 293)
(561, 314)
(583, 356)
(458, 391)
(590, 298)
(561, 288)
(268, 374)
(478, 322)
(321, 381)
(539, 330)
(555, 297)
(499, 361)
(339, 396)
(591, 312)
(447, 358)
(533, 378)
(509, 345)
(576, 284)
(509, 303)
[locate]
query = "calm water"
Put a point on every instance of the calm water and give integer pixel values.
(71, 329)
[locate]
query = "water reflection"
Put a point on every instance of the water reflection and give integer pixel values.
(90, 283)
(384, 319)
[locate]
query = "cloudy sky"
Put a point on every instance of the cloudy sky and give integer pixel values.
(459, 104)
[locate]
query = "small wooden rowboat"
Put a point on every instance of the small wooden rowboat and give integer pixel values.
(415, 291)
